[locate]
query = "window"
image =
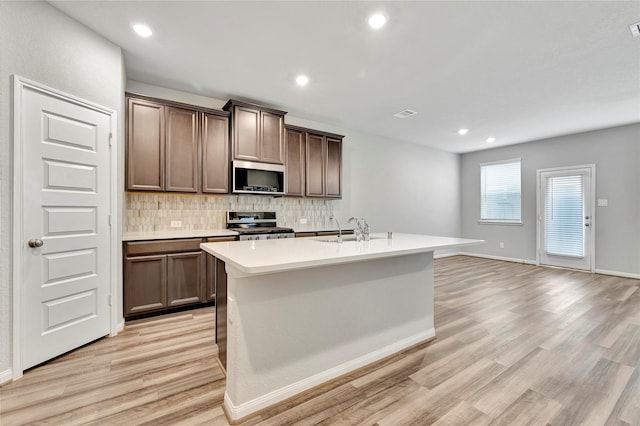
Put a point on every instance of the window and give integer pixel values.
(500, 192)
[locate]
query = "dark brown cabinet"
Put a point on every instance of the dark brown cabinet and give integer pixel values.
(295, 161)
(333, 168)
(257, 132)
(145, 145)
(176, 147)
(162, 274)
(181, 150)
(185, 278)
(147, 284)
(215, 153)
(314, 163)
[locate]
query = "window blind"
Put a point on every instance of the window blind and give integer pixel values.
(500, 192)
(563, 216)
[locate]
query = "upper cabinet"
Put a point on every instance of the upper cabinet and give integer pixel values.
(181, 150)
(314, 163)
(295, 144)
(215, 153)
(257, 132)
(176, 147)
(145, 145)
(333, 173)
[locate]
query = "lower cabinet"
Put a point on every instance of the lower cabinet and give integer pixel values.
(185, 278)
(145, 287)
(167, 274)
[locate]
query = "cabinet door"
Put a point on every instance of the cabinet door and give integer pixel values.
(333, 186)
(246, 134)
(295, 148)
(315, 169)
(185, 277)
(215, 153)
(181, 150)
(145, 284)
(145, 146)
(272, 138)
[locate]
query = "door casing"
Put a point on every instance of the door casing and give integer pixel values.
(539, 207)
(19, 83)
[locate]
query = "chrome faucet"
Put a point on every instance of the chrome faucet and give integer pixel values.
(361, 230)
(339, 230)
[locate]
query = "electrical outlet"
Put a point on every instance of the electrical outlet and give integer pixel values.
(603, 202)
(176, 223)
(501, 244)
(303, 221)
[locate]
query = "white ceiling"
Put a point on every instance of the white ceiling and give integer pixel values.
(517, 71)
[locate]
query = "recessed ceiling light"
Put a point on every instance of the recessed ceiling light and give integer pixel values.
(463, 131)
(491, 140)
(142, 30)
(377, 21)
(302, 80)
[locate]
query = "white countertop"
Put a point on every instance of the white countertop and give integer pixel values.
(165, 235)
(267, 256)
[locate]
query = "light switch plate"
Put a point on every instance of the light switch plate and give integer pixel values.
(176, 223)
(603, 202)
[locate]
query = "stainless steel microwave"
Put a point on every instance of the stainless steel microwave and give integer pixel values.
(251, 177)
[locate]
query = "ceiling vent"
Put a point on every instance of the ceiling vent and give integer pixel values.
(405, 113)
(635, 29)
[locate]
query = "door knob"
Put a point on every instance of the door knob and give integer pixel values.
(36, 243)
(586, 224)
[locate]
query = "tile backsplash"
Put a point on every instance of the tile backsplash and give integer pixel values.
(154, 212)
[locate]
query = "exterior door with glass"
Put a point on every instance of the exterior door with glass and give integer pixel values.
(565, 217)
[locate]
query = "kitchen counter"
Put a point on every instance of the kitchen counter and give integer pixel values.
(268, 256)
(300, 312)
(167, 235)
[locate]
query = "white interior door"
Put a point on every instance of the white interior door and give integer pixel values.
(65, 224)
(565, 209)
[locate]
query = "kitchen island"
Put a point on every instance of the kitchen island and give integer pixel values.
(303, 311)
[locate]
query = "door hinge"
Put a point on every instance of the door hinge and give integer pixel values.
(109, 300)
(109, 219)
(110, 138)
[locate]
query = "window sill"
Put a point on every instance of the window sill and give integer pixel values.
(500, 222)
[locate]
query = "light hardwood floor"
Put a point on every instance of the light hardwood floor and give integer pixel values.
(516, 345)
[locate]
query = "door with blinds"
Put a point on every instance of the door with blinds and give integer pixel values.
(565, 213)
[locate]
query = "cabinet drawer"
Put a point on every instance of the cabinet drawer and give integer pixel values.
(148, 247)
(220, 239)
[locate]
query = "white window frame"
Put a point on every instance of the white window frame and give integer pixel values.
(500, 221)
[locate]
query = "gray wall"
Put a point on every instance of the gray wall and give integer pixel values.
(42, 44)
(616, 154)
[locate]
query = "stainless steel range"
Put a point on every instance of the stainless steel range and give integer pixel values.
(257, 226)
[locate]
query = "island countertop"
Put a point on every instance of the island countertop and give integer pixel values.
(279, 255)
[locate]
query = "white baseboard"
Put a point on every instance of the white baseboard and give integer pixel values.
(506, 259)
(533, 262)
(236, 412)
(6, 376)
(618, 274)
(441, 255)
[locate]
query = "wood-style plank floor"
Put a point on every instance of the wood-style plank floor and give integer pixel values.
(516, 345)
